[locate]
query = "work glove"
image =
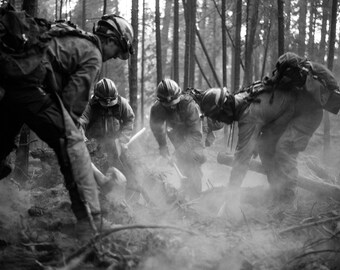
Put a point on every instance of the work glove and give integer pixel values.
(164, 151)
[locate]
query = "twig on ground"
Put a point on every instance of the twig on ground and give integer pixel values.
(121, 228)
(307, 225)
(313, 252)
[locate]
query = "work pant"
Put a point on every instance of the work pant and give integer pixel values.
(279, 147)
(44, 114)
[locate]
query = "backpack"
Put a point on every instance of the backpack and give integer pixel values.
(324, 88)
(23, 44)
(293, 71)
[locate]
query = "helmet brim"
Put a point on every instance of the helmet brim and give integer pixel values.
(172, 102)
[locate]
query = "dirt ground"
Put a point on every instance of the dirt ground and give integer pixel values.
(37, 225)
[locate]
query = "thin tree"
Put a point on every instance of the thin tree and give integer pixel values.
(302, 27)
(83, 19)
(237, 48)
(142, 67)
(61, 10)
(330, 61)
(251, 30)
(224, 44)
(311, 28)
(325, 18)
(175, 56)
(158, 44)
(133, 64)
(105, 6)
(165, 34)
(281, 26)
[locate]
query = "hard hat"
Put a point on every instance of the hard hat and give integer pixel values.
(106, 93)
(168, 92)
(212, 100)
(117, 26)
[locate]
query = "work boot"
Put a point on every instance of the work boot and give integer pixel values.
(85, 232)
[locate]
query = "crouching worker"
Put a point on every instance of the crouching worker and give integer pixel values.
(109, 119)
(51, 102)
(277, 123)
(177, 116)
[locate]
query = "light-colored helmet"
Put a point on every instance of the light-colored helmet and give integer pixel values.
(105, 91)
(212, 101)
(168, 92)
(116, 26)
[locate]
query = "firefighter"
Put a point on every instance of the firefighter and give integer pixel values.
(177, 116)
(109, 119)
(52, 106)
(277, 124)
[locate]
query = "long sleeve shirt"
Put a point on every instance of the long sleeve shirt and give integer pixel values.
(272, 112)
(75, 63)
(182, 124)
(103, 123)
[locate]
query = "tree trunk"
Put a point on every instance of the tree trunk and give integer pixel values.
(325, 17)
(133, 69)
(237, 49)
(158, 44)
(224, 44)
(281, 26)
(302, 27)
(311, 28)
(208, 58)
(330, 59)
(287, 30)
(165, 35)
(175, 56)
(83, 19)
(204, 33)
(105, 6)
(142, 67)
(251, 31)
(61, 10)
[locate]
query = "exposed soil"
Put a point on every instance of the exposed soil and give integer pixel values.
(37, 225)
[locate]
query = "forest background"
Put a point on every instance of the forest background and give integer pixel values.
(206, 43)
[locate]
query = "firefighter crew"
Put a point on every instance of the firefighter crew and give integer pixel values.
(177, 116)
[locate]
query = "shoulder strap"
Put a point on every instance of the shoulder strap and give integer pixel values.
(62, 28)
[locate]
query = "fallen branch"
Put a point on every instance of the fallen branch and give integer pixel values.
(318, 187)
(311, 224)
(314, 252)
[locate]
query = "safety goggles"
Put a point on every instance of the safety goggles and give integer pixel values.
(106, 102)
(167, 102)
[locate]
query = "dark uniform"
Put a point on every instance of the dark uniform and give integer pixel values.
(106, 124)
(75, 62)
(182, 124)
(278, 128)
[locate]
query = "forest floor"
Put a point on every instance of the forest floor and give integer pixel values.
(35, 222)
